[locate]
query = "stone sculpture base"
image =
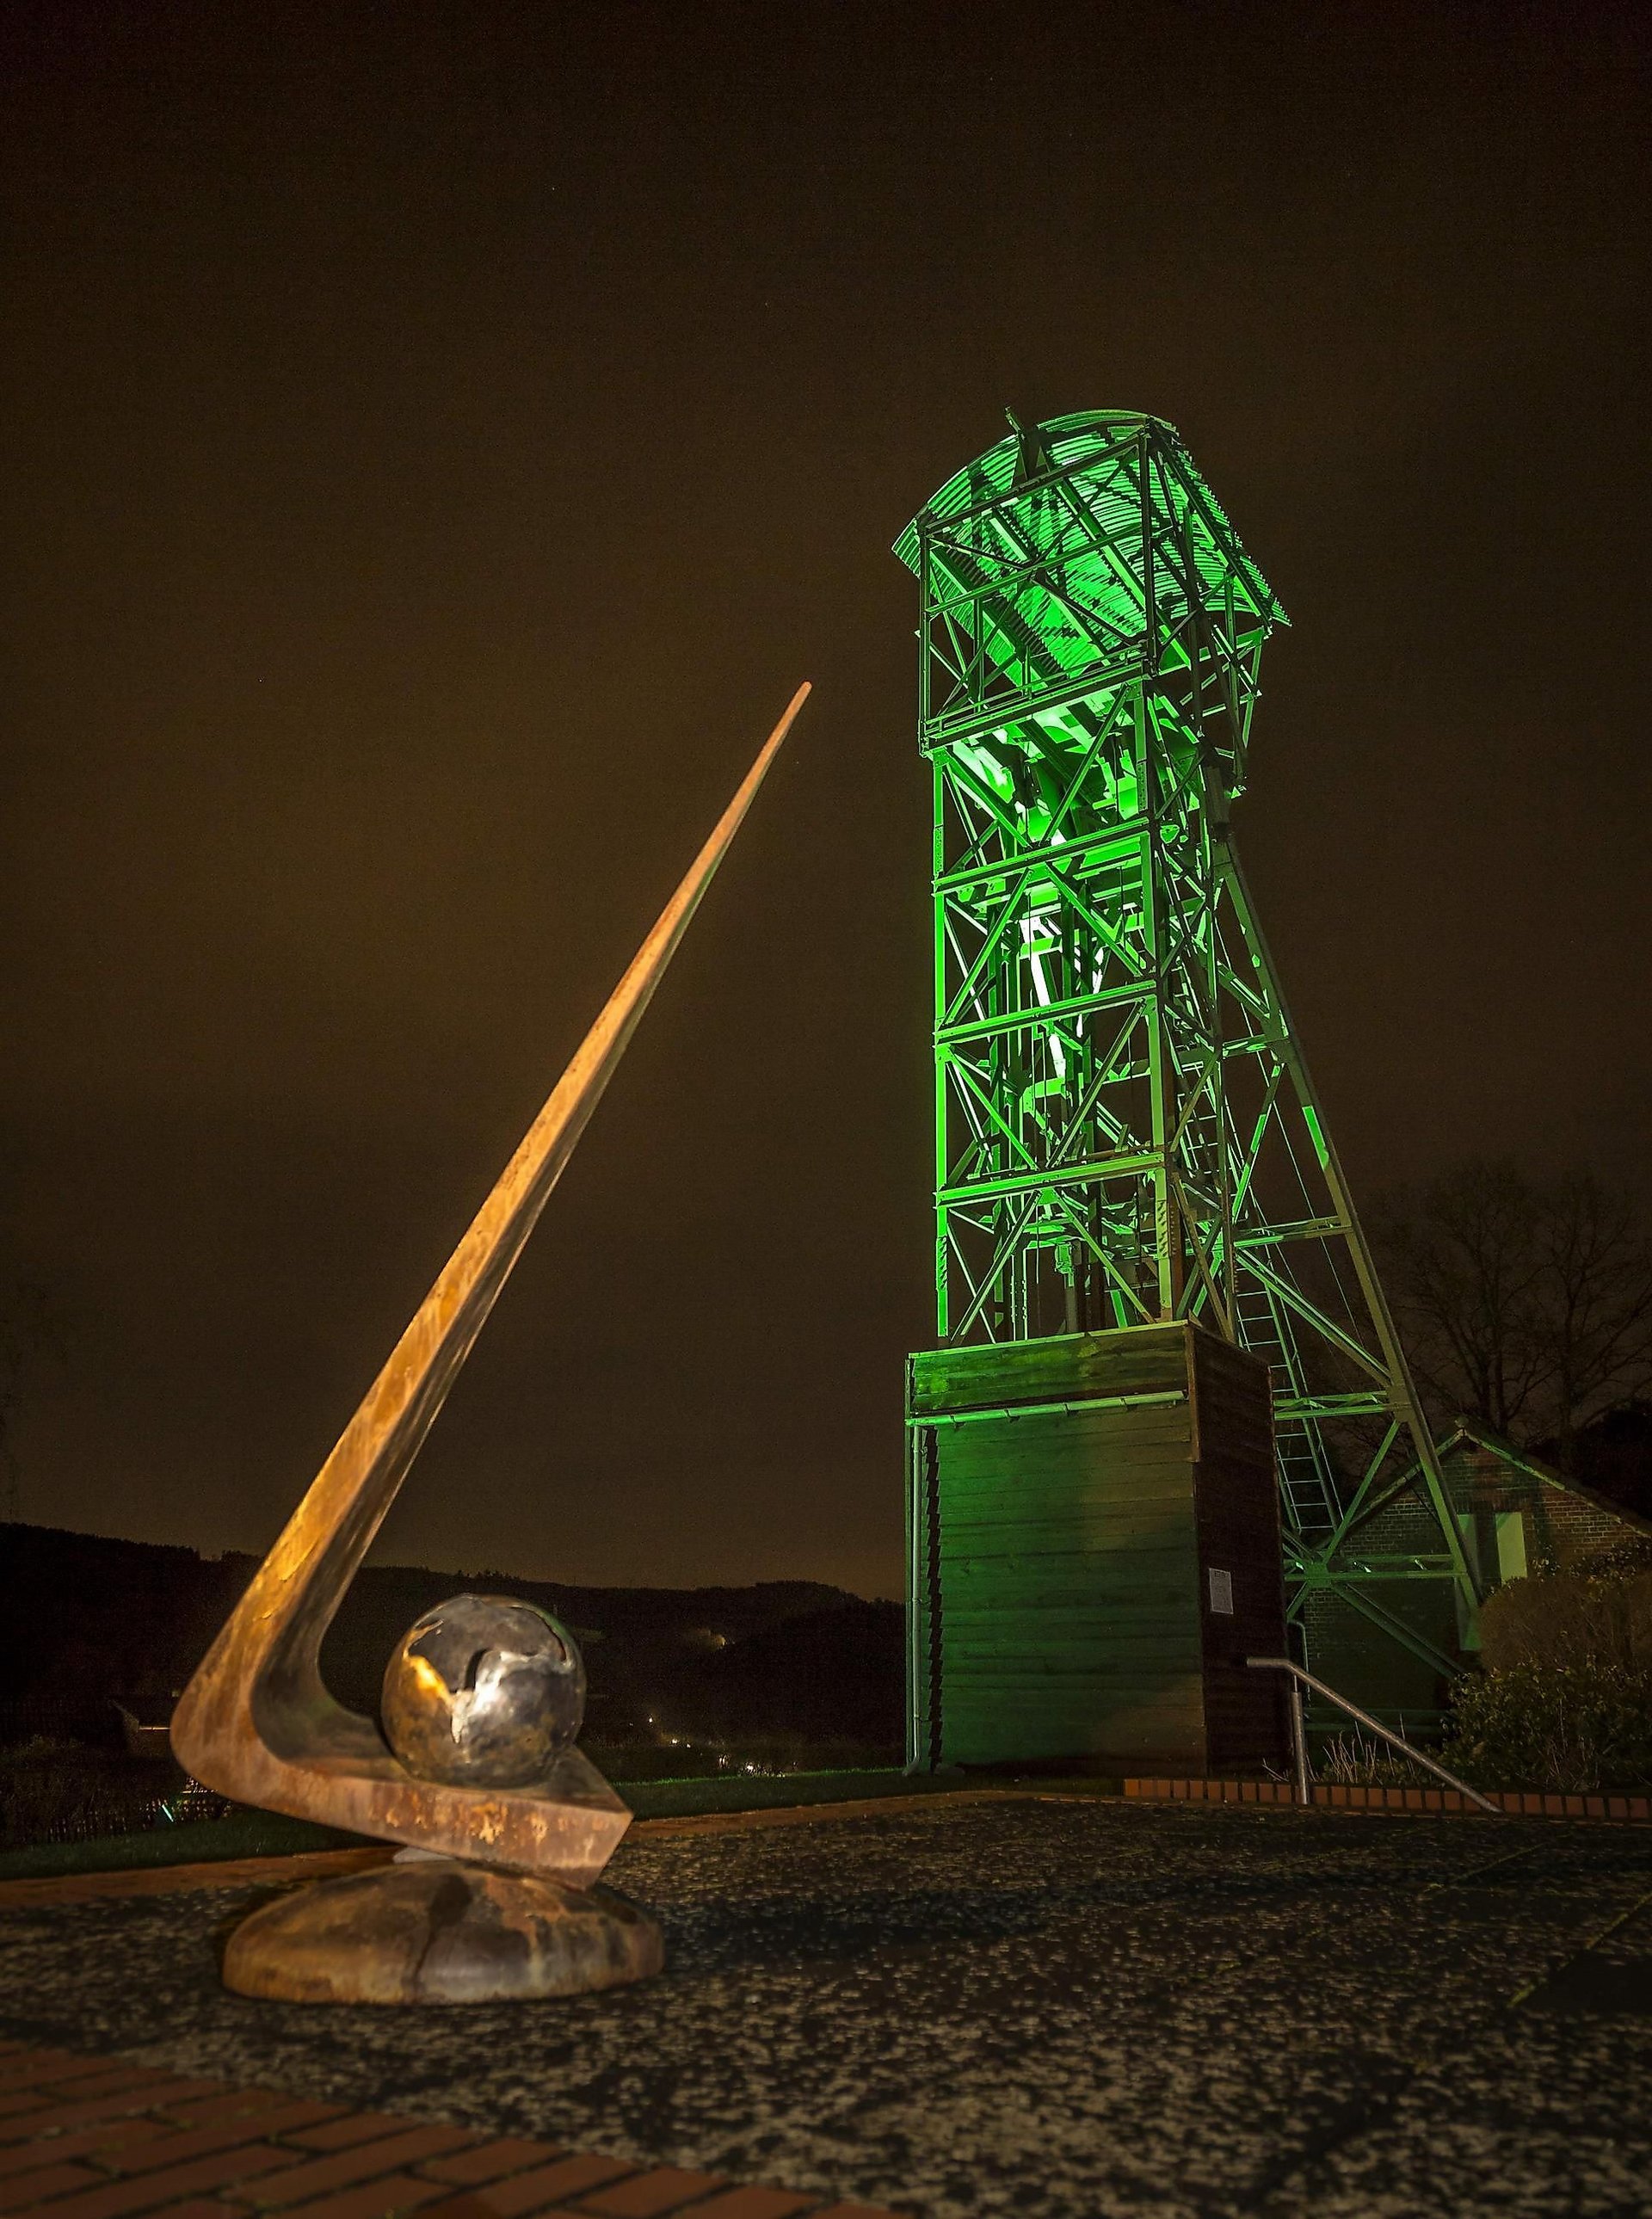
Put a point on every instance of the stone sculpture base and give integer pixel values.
(437, 1931)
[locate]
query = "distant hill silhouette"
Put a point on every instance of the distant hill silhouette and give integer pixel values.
(817, 1676)
(86, 1622)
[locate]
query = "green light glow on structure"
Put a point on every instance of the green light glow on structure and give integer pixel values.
(1124, 1128)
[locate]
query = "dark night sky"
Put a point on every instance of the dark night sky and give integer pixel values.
(436, 441)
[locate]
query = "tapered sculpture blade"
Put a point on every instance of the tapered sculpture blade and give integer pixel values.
(255, 1722)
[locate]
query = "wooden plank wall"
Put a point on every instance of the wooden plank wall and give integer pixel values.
(1237, 1512)
(1060, 1607)
(1069, 1583)
(1138, 1360)
(1064, 1547)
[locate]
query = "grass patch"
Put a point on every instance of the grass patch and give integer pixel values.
(693, 1797)
(245, 1834)
(266, 1834)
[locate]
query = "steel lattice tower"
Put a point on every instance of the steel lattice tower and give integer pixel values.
(1124, 1128)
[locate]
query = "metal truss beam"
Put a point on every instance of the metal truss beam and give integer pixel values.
(1125, 1125)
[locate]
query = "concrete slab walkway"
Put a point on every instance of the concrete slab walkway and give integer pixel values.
(1028, 2004)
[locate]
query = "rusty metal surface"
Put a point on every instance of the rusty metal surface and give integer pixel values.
(440, 1932)
(256, 1722)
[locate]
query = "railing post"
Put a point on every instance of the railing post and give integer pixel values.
(1300, 1679)
(1299, 1743)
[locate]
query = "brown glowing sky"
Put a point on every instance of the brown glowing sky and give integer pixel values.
(439, 439)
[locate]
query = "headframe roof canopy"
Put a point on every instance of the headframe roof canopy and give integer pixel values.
(1077, 541)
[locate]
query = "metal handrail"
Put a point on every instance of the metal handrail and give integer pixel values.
(1299, 1736)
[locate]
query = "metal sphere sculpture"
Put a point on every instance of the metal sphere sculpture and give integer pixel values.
(483, 1692)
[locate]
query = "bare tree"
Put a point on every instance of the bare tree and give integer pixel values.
(1460, 1262)
(1524, 1302)
(1597, 1281)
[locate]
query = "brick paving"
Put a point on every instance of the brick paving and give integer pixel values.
(83, 2138)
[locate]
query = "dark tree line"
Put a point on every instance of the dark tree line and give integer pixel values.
(31, 1334)
(1525, 1303)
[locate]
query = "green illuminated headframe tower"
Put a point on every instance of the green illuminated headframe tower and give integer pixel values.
(1126, 1133)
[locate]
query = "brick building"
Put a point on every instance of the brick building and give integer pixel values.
(1519, 1518)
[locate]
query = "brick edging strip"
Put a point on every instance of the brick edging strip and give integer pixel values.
(1612, 1809)
(85, 2137)
(178, 1880)
(326, 1864)
(875, 1807)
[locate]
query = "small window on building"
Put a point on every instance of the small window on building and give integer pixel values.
(1221, 1591)
(1511, 1544)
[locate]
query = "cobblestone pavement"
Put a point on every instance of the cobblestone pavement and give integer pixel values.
(1048, 2006)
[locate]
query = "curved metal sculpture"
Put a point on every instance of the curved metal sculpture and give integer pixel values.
(257, 1721)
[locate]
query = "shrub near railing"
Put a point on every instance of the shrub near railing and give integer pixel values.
(1573, 1729)
(1564, 1701)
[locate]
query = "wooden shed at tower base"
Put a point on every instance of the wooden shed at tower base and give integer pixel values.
(1093, 1550)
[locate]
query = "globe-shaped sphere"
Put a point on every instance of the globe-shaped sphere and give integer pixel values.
(483, 1692)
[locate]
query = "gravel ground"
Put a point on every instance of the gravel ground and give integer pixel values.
(1070, 2008)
